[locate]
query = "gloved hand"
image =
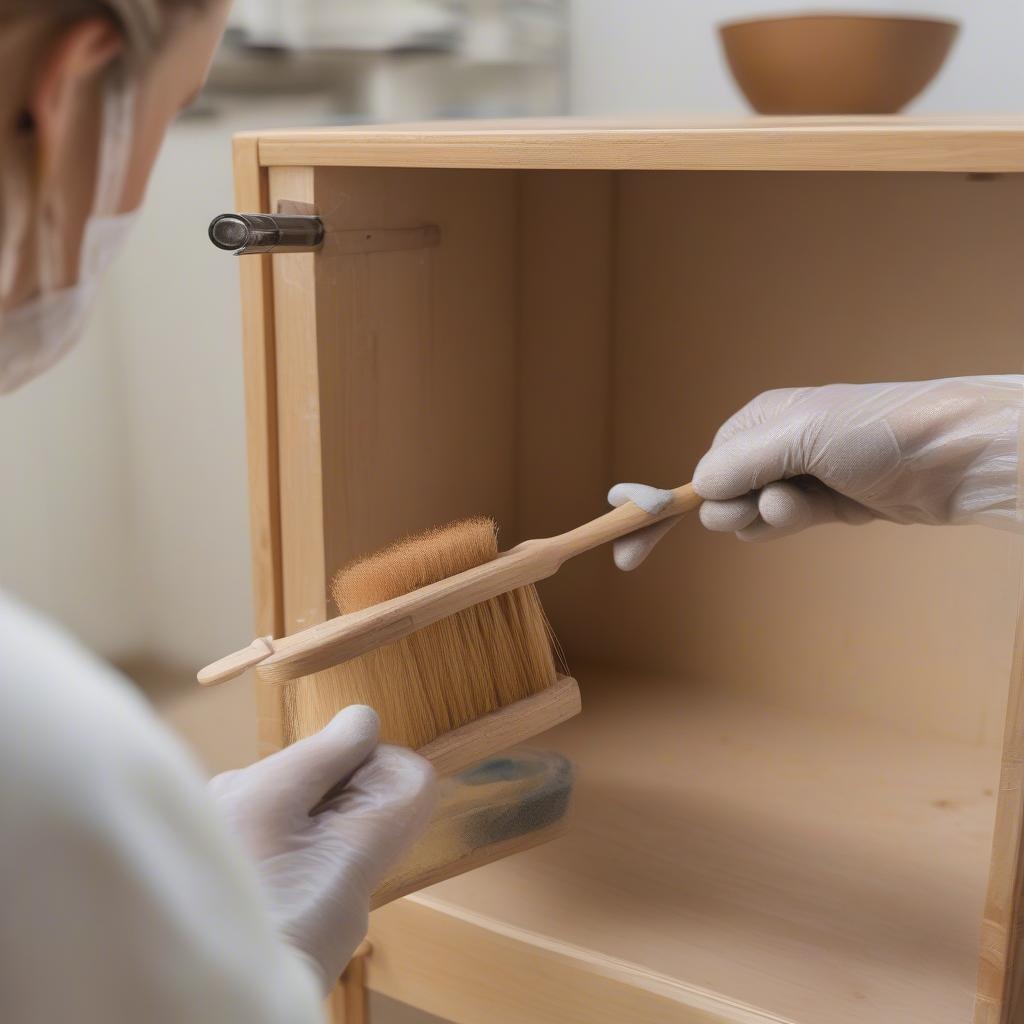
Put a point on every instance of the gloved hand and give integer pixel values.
(936, 452)
(318, 869)
(629, 551)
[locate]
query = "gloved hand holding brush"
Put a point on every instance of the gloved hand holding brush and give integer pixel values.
(935, 452)
(318, 860)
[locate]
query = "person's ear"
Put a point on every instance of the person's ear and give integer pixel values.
(75, 57)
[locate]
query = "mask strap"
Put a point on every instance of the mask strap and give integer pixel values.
(115, 146)
(117, 129)
(16, 201)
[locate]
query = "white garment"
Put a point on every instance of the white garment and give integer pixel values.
(122, 898)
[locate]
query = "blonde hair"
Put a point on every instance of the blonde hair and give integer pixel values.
(145, 22)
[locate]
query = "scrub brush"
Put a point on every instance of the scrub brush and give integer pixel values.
(453, 671)
(470, 669)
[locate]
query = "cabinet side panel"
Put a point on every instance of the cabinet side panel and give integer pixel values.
(299, 417)
(1001, 971)
(251, 195)
(412, 419)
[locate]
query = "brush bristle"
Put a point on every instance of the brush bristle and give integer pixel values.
(457, 669)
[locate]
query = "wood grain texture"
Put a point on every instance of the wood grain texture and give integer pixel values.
(729, 285)
(443, 959)
(816, 869)
(251, 194)
(980, 143)
(1000, 997)
(566, 300)
(401, 372)
(348, 1003)
(371, 239)
(806, 288)
(301, 411)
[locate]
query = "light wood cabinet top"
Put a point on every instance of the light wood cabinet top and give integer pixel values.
(972, 143)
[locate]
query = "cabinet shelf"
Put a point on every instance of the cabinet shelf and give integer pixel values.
(746, 863)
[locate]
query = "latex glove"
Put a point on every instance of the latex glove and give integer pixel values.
(936, 452)
(318, 870)
(629, 551)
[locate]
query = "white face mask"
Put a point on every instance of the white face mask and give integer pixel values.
(34, 335)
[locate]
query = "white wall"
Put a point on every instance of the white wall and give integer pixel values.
(662, 56)
(128, 518)
(66, 506)
(177, 339)
(125, 507)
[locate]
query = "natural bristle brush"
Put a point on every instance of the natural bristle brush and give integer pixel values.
(459, 668)
(457, 657)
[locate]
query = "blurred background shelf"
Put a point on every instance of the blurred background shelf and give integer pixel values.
(381, 61)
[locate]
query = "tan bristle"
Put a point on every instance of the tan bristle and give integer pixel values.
(457, 669)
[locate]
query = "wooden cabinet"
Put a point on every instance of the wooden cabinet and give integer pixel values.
(797, 775)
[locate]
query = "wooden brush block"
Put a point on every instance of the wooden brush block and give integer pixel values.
(490, 734)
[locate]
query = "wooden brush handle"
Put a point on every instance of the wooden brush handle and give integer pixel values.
(347, 636)
(626, 519)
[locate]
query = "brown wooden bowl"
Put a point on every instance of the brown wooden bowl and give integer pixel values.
(835, 63)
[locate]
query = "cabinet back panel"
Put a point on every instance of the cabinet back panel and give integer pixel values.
(422, 365)
(576, 328)
(730, 284)
(565, 387)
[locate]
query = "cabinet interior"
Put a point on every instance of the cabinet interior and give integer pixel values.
(789, 753)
